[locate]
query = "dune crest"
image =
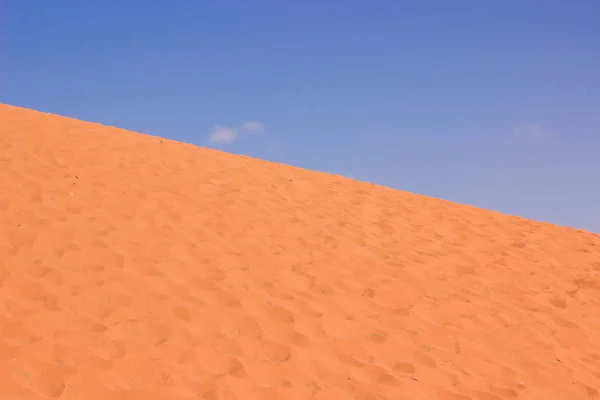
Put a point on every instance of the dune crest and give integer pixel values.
(135, 267)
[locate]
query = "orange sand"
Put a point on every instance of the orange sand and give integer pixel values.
(134, 267)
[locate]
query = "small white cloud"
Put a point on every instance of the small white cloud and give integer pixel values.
(253, 126)
(532, 131)
(223, 134)
(228, 135)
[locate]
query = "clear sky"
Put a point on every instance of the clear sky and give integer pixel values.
(491, 103)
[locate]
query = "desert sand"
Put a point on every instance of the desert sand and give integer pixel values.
(135, 267)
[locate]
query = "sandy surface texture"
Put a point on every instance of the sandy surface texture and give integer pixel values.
(134, 267)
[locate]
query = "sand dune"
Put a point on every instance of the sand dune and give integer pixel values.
(134, 267)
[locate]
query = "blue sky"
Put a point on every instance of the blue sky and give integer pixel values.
(491, 103)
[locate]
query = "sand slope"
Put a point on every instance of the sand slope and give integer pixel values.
(133, 267)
